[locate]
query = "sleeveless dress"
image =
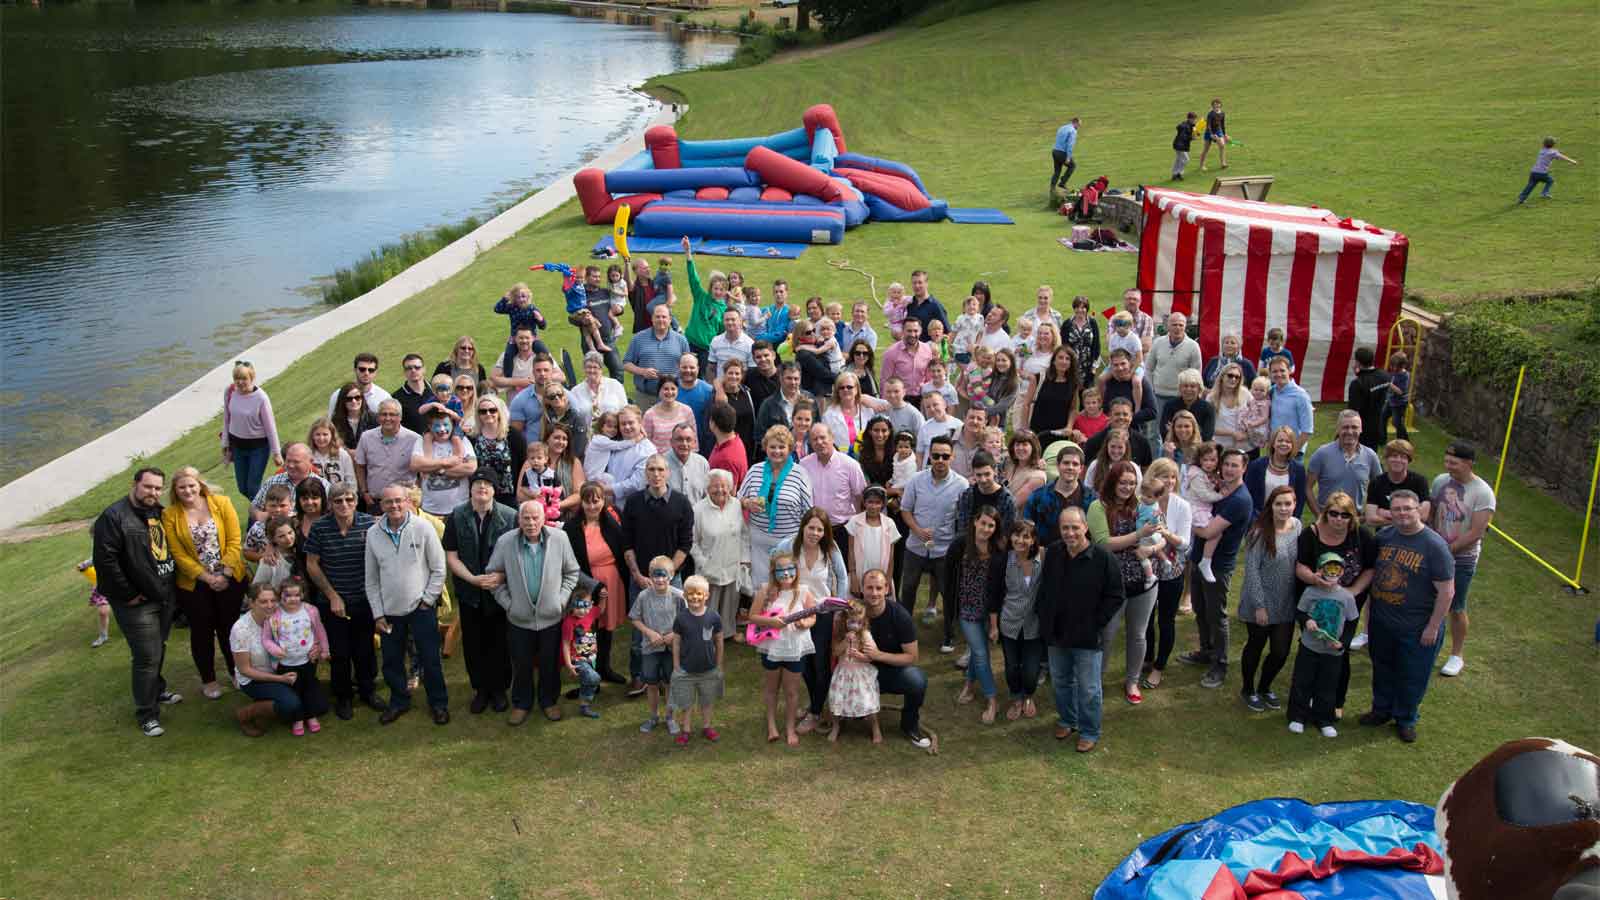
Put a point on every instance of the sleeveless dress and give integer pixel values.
(854, 690)
(793, 642)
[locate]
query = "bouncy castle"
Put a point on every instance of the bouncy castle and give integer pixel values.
(797, 186)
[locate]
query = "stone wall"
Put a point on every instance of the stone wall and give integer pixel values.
(1547, 451)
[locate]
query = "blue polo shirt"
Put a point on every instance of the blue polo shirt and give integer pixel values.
(1291, 406)
(649, 352)
(1067, 138)
(526, 408)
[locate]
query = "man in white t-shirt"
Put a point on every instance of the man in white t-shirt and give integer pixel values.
(1463, 504)
(939, 424)
(442, 465)
(732, 343)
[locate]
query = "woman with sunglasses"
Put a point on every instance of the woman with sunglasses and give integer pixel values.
(249, 432)
(1229, 397)
(850, 410)
(860, 361)
(500, 448)
(353, 418)
(466, 394)
(463, 360)
(1338, 530)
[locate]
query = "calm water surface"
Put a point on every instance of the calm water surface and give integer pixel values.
(177, 177)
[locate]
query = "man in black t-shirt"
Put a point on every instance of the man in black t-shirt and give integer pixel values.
(895, 655)
(1396, 475)
(1230, 518)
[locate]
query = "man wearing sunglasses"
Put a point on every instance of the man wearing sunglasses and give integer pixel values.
(366, 373)
(413, 394)
(929, 508)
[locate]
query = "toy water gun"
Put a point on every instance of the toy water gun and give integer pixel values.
(563, 268)
(86, 569)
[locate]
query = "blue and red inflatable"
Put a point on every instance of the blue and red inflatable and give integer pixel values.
(797, 186)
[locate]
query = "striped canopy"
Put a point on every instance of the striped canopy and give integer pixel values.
(1244, 266)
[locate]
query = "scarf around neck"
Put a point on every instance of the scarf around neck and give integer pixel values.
(771, 488)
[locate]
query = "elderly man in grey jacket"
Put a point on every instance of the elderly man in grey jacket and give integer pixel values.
(540, 572)
(405, 575)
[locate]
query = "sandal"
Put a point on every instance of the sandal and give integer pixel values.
(1014, 711)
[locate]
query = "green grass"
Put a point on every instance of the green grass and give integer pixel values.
(1420, 117)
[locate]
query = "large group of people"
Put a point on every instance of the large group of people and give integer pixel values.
(786, 479)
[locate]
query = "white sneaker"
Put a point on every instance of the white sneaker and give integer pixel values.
(1359, 642)
(1297, 728)
(99, 640)
(1329, 731)
(930, 616)
(152, 728)
(1452, 666)
(170, 698)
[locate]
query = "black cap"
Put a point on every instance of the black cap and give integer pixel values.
(1462, 450)
(484, 473)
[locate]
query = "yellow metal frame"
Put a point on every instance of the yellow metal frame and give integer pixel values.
(1413, 351)
(1575, 581)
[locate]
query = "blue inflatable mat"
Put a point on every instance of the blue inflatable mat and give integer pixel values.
(638, 245)
(977, 216)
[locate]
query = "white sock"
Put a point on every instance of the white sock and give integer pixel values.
(1205, 570)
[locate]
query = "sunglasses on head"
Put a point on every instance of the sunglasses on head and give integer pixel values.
(244, 362)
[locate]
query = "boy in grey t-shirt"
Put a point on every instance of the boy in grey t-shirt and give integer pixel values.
(1327, 614)
(652, 614)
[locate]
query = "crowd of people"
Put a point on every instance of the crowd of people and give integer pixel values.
(786, 478)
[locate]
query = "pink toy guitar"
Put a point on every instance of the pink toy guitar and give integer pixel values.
(755, 634)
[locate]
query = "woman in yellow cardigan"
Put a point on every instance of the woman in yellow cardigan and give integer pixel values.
(203, 534)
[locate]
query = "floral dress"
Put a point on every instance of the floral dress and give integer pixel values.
(853, 693)
(208, 547)
(494, 454)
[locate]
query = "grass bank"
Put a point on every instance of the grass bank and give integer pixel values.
(390, 260)
(1416, 117)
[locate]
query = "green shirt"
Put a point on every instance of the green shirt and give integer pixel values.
(705, 316)
(532, 566)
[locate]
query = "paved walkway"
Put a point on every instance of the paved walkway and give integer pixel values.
(65, 478)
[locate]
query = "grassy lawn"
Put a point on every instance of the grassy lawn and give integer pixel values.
(1422, 117)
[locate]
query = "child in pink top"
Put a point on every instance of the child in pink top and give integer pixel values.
(294, 636)
(894, 308)
(661, 419)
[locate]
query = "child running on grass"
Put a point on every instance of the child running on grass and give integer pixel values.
(579, 643)
(1541, 170)
(654, 610)
(696, 660)
(97, 602)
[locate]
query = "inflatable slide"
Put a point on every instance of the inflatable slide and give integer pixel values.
(797, 186)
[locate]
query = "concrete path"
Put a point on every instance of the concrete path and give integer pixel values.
(65, 478)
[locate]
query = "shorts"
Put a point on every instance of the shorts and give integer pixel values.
(699, 689)
(797, 666)
(1214, 138)
(655, 668)
(98, 599)
(1464, 573)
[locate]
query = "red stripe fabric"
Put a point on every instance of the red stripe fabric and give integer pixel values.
(1294, 867)
(1183, 281)
(1211, 301)
(1297, 333)
(1346, 288)
(1394, 283)
(1149, 249)
(1258, 260)
(1224, 886)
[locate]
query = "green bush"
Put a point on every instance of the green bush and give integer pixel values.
(390, 260)
(1554, 337)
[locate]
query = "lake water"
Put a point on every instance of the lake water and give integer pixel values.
(177, 177)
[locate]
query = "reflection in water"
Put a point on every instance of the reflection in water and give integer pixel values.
(172, 190)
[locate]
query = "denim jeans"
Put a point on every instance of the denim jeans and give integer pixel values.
(1398, 415)
(248, 467)
(1022, 658)
(1401, 667)
(1537, 178)
(1135, 613)
(588, 681)
(978, 668)
(911, 683)
(146, 627)
(1075, 675)
(421, 624)
(285, 702)
(1464, 573)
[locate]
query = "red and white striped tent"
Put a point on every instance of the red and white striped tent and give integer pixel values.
(1331, 284)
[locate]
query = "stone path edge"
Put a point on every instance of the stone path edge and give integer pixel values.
(67, 477)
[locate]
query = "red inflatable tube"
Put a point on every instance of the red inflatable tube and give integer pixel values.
(711, 193)
(590, 185)
(662, 141)
(608, 213)
(776, 195)
(822, 116)
(899, 191)
(791, 175)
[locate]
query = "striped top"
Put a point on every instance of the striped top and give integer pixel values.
(343, 557)
(793, 500)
